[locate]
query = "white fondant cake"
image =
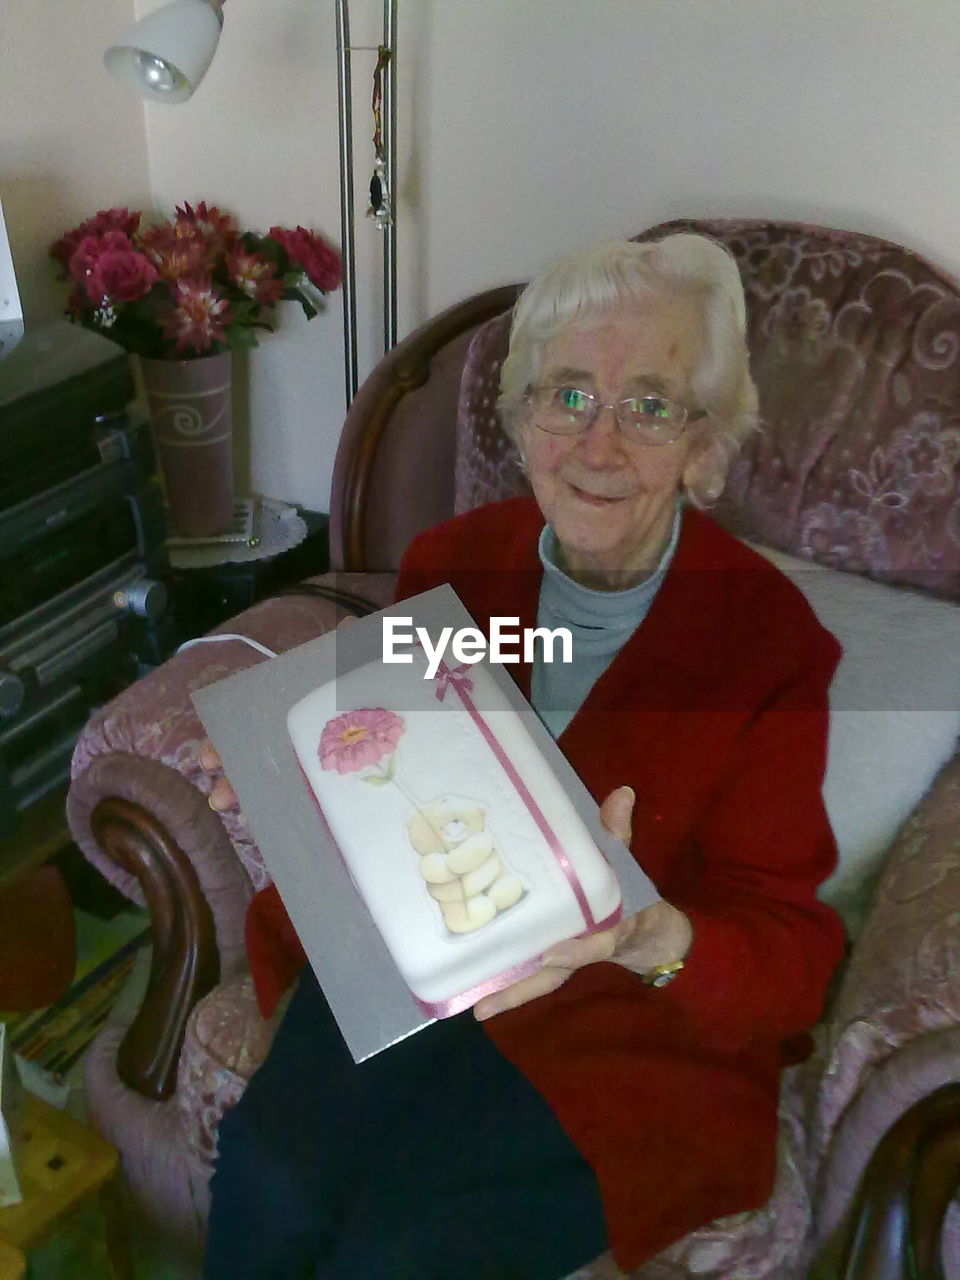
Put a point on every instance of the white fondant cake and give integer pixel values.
(459, 838)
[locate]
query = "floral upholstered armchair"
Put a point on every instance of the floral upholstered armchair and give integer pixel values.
(853, 486)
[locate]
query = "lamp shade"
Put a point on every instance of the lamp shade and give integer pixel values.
(165, 55)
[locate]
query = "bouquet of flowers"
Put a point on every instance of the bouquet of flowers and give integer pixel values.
(191, 285)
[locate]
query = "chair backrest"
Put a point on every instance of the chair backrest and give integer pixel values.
(394, 470)
(855, 349)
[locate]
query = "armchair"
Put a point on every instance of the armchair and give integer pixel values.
(855, 346)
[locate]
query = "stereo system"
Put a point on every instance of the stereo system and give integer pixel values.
(82, 558)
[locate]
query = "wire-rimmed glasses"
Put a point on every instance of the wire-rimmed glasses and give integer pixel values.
(647, 419)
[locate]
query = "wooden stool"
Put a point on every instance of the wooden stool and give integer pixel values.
(13, 1264)
(62, 1165)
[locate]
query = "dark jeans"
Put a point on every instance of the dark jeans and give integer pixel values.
(434, 1160)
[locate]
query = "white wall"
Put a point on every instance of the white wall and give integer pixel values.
(70, 141)
(531, 126)
(549, 123)
(527, 127)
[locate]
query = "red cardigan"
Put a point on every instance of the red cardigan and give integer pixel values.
(715, 712)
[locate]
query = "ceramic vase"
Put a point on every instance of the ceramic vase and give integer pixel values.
(190, 409)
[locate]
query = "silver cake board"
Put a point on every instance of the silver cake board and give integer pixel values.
(246, 718)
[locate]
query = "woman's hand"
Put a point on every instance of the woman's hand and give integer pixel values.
(660, 934)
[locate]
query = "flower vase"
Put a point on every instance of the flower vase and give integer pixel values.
(190, 409)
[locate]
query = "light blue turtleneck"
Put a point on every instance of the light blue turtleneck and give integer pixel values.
(600, 623)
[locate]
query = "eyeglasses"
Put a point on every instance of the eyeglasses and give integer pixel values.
(652, 419)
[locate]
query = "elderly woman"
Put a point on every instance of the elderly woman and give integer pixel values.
(626, 1093)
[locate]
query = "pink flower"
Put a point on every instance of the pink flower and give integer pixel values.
(200, 315)
(255, 275)
(359, 738)
(311, 253)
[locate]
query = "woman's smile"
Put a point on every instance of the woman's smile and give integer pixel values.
(593, 497)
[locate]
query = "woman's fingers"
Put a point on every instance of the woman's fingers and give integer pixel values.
(616, 813)
(577, 952)
(538, 984)
(558, 964)
(222, 796)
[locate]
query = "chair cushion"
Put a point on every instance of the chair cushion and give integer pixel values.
(894, 714)
(226, 1040)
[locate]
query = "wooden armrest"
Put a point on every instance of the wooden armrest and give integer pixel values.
(895, 1226)
(185, 963)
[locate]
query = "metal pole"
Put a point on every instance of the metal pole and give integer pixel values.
(390, 146)
(345, 106)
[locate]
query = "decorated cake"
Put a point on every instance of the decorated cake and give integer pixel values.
(456, 833)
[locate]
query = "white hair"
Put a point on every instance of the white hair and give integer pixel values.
(582, 289)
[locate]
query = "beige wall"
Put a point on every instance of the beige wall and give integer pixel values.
(70, 142)
(527, 127)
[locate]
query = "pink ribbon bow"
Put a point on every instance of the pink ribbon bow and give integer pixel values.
(456, 676)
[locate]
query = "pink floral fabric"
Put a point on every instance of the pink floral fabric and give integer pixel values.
(855, 346)
(899, 1002)
(158, 722)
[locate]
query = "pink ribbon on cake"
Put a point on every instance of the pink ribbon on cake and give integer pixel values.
(455, 678)
(467, 999)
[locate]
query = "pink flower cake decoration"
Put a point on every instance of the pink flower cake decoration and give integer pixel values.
(359, 739)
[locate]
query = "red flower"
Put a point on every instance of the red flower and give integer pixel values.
(359, 738)
(109, 268)
(255, 275)
(105, 220)
(311, 253)
(177, 257)
(180, 285)
(217, 229)
(124, 275)
(199, 318)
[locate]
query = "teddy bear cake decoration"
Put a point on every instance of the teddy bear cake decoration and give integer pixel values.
(457, 835)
